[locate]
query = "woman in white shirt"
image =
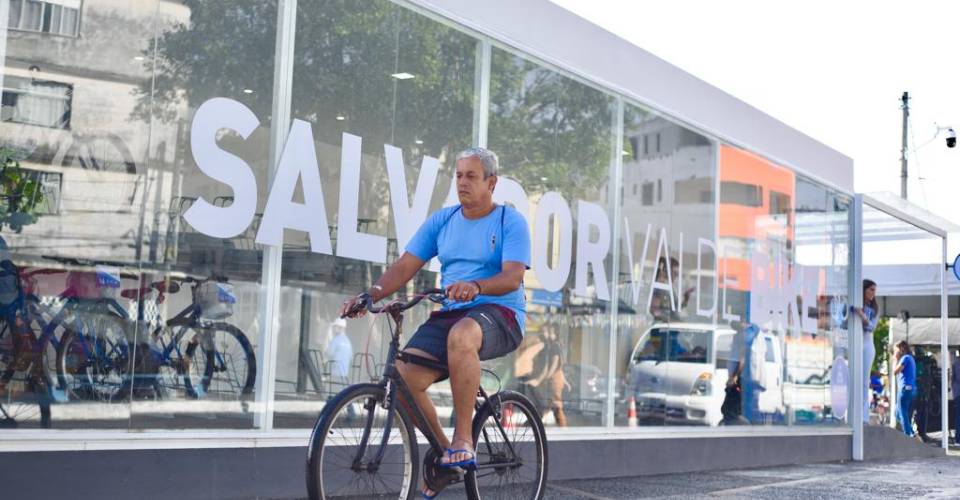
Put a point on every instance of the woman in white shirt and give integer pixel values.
(868, 314)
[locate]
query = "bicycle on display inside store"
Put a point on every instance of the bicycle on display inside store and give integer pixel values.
(364, 443)
(25, 337)
(99, 358)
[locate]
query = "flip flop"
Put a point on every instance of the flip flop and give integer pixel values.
(428, 497)
(468, 464)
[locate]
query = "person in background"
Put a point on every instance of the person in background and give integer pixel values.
(539, 365)
(868, 314)
(339, 350)
(661, 307)
(745, 369)
(906, 372)
(955, 383)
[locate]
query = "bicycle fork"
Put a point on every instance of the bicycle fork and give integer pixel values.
(371, 407)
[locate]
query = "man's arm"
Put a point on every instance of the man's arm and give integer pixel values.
(397, 275)
(507, 280)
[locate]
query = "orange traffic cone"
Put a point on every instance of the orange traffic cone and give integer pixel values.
(632, 412)
(505, 416)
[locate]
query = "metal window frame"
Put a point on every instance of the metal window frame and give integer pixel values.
(616, 182)
(271, 274)
(855, 328)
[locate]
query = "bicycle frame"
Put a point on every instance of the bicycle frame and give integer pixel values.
(188, 317)
(393, 384)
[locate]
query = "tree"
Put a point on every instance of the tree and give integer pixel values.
(881, 339)
(20, 192)
(550, 130)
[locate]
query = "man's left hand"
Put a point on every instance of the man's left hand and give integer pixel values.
(462, 291)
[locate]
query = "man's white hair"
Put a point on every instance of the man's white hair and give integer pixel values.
(487, 158)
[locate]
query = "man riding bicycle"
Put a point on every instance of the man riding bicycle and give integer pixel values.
(484, 250)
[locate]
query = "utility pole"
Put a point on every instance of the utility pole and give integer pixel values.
(905, 106)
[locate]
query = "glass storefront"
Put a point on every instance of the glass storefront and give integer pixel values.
(676, 279)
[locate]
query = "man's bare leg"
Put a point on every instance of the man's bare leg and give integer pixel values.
(463, 361)
(419, 379)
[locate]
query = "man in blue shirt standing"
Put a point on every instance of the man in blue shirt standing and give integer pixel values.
(906, 372)
(484, 250)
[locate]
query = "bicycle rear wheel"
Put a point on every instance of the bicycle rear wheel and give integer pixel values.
(511, 451)
(338, 466)
(219, 362)
(94, 359)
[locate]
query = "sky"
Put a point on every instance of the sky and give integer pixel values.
(832, 70)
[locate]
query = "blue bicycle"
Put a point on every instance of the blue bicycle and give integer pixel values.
(106, 354)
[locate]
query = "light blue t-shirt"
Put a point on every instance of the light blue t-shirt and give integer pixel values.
(475, 249)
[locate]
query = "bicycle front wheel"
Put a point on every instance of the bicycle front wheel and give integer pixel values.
(511, 451)
(24, 388)
(342, 459)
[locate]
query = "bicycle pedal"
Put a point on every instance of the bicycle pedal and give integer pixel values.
(436, 477)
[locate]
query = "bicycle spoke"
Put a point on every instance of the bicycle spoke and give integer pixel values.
(349, 471)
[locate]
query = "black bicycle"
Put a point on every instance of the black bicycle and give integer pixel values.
(364, 444)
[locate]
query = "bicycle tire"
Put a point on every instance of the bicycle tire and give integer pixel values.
(199, 389)
(102, 378)
(478, 482)
(322, 441)
(27, 397)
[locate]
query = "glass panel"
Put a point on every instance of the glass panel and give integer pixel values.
(903, 263)
(389, 78)
(105, 254)
(784, 270)
(203, 342)
(554, 136)
(47, 14)
(13, 20)
(666, 275)
(71, 18)
(816, 349)
(32, 15)
(56, 12)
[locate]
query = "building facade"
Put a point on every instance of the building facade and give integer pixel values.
(214, 178)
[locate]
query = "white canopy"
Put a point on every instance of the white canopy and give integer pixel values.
(910, 280)
(925, 331)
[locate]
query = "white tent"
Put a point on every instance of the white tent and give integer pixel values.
(901, 280)
(924, 331)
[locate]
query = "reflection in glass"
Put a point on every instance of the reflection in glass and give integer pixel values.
(783, 246)
(400, 87)
(136, 319)
(553, 135)
(666, 349)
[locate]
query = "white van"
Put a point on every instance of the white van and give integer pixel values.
(678, 372)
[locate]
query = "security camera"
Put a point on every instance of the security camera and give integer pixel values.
(951, 138)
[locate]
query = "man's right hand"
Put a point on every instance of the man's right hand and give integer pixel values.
(352, 307)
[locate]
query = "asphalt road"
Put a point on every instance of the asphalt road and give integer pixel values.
(926, 478)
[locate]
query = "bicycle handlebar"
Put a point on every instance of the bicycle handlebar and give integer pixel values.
(435, 295)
